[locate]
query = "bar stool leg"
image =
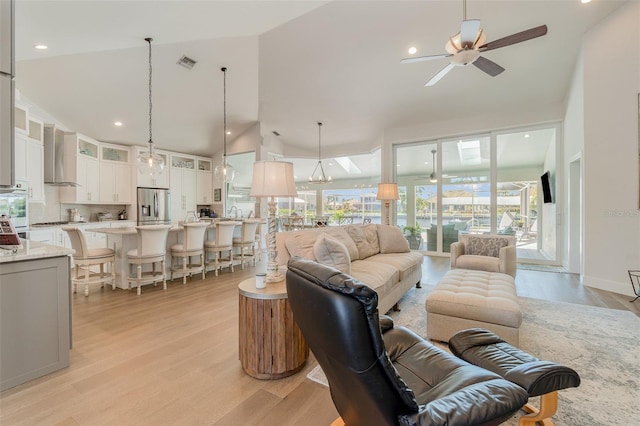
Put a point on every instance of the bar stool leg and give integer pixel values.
(164, 275)
(231, 259)
(113, 275)
(87, 274)
(139, 275)
(184, 270)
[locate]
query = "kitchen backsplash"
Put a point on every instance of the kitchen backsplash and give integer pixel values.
(52, 210)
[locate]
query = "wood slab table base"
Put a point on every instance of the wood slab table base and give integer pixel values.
(271, 345)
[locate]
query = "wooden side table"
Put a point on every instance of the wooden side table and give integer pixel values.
(271, 344)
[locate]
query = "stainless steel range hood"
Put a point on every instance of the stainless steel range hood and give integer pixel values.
(54, 157)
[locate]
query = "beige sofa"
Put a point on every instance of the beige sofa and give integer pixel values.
(377, 255)
(491, 253)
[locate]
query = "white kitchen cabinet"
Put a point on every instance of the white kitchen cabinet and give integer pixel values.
(159, 181)
(20, 156)
(44, 235)
(35, 170)
(82, 166)
(115, 183)
(21, 116)
(183, 186)
(28, 160)
(115, 175)
(204, 184)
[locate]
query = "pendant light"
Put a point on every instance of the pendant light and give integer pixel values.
(433, 178)
(318, 175)
(150, 163)
(224, 171)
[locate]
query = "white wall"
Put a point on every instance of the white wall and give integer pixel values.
(573, 147)
(611, 86)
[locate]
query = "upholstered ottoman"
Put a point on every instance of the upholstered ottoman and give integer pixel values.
(467, 299)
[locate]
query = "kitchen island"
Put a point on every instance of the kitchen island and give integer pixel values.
(35, 312)
(121, 240)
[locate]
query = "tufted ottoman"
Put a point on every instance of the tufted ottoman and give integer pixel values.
(467, 299)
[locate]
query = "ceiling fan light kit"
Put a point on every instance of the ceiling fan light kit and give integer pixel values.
(148, 162)
(433, 177)
(465, 47)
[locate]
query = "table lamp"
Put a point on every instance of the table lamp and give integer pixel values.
(386, 193)
(273, 179)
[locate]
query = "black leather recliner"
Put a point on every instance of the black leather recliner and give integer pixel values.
(384, 375)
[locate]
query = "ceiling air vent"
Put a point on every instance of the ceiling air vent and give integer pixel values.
(186, 62)
(276, 133)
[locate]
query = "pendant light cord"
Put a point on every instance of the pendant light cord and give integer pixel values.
(224, 111)
(319, 146)
(149, 40)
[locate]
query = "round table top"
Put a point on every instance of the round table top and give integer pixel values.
(248, 289)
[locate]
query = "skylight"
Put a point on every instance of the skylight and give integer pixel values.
(348, 165)
(469, 152)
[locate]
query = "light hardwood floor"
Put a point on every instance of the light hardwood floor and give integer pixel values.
(171, 358)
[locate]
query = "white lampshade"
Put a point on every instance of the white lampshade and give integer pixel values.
(273, 179)
(387, 191)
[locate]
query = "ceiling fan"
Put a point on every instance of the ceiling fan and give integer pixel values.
(465, 47)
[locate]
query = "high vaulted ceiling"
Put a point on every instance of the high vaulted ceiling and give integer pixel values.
(290, 65)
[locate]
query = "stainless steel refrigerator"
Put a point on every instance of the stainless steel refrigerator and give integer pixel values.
(154, 206)
(7, 174)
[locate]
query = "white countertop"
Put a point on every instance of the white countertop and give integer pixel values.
(32, 250)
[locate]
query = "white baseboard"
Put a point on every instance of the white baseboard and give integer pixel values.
(613, 286)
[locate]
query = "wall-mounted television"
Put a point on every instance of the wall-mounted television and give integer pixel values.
(546, 187)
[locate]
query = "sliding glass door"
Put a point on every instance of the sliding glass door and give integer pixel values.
(481, 184)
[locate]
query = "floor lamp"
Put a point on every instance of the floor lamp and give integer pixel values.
(387, 192)
(273, 179)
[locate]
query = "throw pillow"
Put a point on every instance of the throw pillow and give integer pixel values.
(391, 240)
(332, 252)
(301, 245)
(366, 239)
(340, 234)
(485, 246)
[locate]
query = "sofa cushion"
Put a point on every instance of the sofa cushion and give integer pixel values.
(391, 240)
(405, 263)
(302, 245)
(366, 239)
(340, 234)
(481, 246)
(375, 275)
(330, 251)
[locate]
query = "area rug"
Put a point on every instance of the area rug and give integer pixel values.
(602, 345)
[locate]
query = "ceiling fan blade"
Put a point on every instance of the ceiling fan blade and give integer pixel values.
(440, 74)
(424, 58)
(515, 38)
(469, 32)
(488, 66)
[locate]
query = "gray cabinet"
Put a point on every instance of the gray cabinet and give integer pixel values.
(35, 319)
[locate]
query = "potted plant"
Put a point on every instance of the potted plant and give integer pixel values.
(413, 235)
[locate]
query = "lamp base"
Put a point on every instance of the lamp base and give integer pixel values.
(274, 277)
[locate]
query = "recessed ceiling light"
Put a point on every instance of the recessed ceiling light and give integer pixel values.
(40, 46)
(585, 1)
(412, 50)
(228, 132)
(526, 135)
(426, 162)
(117, 123)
